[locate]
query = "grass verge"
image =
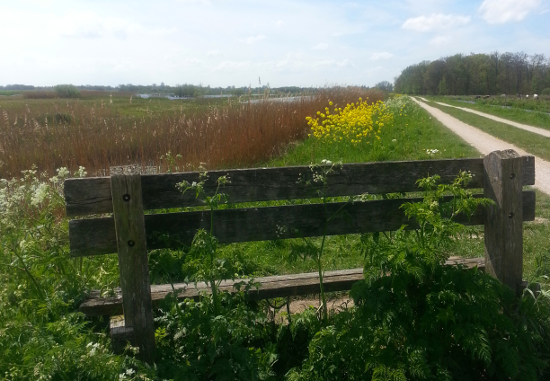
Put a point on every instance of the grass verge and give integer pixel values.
(529, 117)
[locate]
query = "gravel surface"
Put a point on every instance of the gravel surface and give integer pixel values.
(486, 143)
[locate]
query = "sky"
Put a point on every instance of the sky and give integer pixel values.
(243, 42)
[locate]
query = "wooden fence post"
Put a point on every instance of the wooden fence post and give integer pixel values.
(504, 220)
(132, 259)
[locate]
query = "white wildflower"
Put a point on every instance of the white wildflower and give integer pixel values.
(81, 172)
(40, 194)
(63, 172)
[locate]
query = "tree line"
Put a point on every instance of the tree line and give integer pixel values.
(477, 74)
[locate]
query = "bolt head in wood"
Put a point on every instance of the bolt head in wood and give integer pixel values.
(512, 176)
(126, 197)
(131, 243)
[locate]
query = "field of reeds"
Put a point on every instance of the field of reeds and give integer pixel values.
(116, 130)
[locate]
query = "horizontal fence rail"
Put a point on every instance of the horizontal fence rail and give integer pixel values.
(93, 195)
(269, 287)
(97, 236)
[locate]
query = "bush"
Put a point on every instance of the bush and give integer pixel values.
(67, 91)
(416, 319)
(546, 91)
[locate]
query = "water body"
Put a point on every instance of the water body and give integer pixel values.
(171, 97)
(286, 99)
(174, 97)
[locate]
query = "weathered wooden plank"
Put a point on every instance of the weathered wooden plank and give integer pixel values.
(97, 236)
(269, 287)
(504, 222)
(92, 195)
(133, 261)
(120, 334)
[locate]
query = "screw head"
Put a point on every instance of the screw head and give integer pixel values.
(512, 176)
(131, 243)
(511, 215)
(126, 197)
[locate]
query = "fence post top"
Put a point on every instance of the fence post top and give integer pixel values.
(132, 169)
(505, 154)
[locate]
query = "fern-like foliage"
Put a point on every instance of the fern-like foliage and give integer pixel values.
(417, 319)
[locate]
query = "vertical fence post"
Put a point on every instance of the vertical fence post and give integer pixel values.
(503, 172)
(132, 259)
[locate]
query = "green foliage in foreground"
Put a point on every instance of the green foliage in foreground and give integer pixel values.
(416, 319)
(413, 318)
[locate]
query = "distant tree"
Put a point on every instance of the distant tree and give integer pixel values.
(384, 85)
(493, 73)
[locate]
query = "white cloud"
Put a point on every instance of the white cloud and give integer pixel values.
(324, 63)
(279, 23)
(194, 1)
(381, 56)
(214, 52)
(321, 46)
(435, 21)
(345, 63)
(502, 11)
(252, 40)
(232, 66)
(91, 25)
(439, 41)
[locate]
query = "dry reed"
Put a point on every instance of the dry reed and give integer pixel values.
(73, 134)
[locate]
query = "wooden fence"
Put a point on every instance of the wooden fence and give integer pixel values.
(130, 233)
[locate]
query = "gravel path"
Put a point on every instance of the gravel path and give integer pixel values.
(536, 130)
(486, 144)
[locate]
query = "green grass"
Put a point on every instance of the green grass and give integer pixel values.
(412, 135)
(533, 143)
(271, 257)
(532, 118)
(9, 92)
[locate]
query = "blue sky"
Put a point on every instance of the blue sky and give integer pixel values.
(233, 42)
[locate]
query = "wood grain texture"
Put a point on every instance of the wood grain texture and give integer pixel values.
(93, 196)
(269, 287)
(120, 334)
(504, 222)
(174, 230)
(133, 262)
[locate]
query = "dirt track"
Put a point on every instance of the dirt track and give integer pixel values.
(536, 130)
(486, 143)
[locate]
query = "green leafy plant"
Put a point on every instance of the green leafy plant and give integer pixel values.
(203, 260)
(307, 248)
(67, 91)
(417, 319)
(198, 343)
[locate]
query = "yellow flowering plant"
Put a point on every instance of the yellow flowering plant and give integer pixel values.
(357, 123)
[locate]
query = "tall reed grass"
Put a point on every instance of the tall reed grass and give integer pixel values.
(70, 134)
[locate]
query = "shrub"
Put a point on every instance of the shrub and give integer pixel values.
(67, 91)
(196, 342)
(546, 91)
(416, 319)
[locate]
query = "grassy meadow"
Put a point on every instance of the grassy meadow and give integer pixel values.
(42, 334)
